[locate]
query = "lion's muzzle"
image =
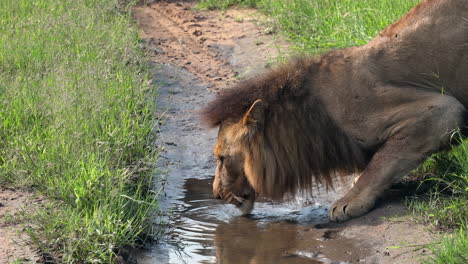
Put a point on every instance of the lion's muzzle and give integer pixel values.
(244, 203)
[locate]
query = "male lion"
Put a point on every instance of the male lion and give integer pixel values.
(379, 109)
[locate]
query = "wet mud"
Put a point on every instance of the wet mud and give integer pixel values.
(205, 230)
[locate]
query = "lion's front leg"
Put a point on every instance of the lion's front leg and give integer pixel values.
(426, 133)
(386, 166)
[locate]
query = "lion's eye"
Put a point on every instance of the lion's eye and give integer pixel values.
(221, 158)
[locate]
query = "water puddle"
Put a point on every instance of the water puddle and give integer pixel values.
(207, 231)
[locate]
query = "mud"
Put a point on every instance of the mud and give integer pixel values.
(205, 230)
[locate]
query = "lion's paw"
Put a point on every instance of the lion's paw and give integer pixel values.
(345, 209)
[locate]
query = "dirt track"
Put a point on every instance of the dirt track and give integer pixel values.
(218, 47)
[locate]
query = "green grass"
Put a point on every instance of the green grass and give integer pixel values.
(223, 4)
(444, 211)
(76, 124)
(317, 25)
(324, 24)
(451, 250)
(447, 204)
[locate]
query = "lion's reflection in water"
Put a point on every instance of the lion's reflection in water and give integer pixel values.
(245, 241)
(274, 233)
(283, 234)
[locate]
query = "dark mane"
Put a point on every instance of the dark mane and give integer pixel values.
(301, 145)
(278, 85)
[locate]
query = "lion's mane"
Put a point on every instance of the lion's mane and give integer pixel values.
(300, 144)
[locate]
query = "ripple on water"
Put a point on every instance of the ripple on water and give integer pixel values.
(206, 230)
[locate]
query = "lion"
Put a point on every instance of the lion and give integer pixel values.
(378, 110)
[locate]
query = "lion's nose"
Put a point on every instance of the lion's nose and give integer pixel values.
(217, 195)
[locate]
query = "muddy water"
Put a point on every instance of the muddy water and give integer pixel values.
(205, 230)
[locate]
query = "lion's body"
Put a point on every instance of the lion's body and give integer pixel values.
(425, 51)
(381, 109)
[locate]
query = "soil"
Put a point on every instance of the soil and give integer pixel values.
(14, 243)
(194, 54)
(217, 47)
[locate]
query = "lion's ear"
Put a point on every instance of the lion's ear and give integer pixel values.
(256, 115)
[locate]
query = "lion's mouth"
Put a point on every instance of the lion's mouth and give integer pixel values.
(246, 207)
(234, 199)
(245, 203)
(240, 200)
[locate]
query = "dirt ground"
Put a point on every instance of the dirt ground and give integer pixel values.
(14, 245)
(219, 48)
(206, 43)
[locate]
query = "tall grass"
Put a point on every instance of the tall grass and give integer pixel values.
(451, 250)
(316, 25)
(76, 123)
(223, 4)
(447, 205)
(324, 24)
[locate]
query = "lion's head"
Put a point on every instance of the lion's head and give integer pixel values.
(275, 139)
(233, 178)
